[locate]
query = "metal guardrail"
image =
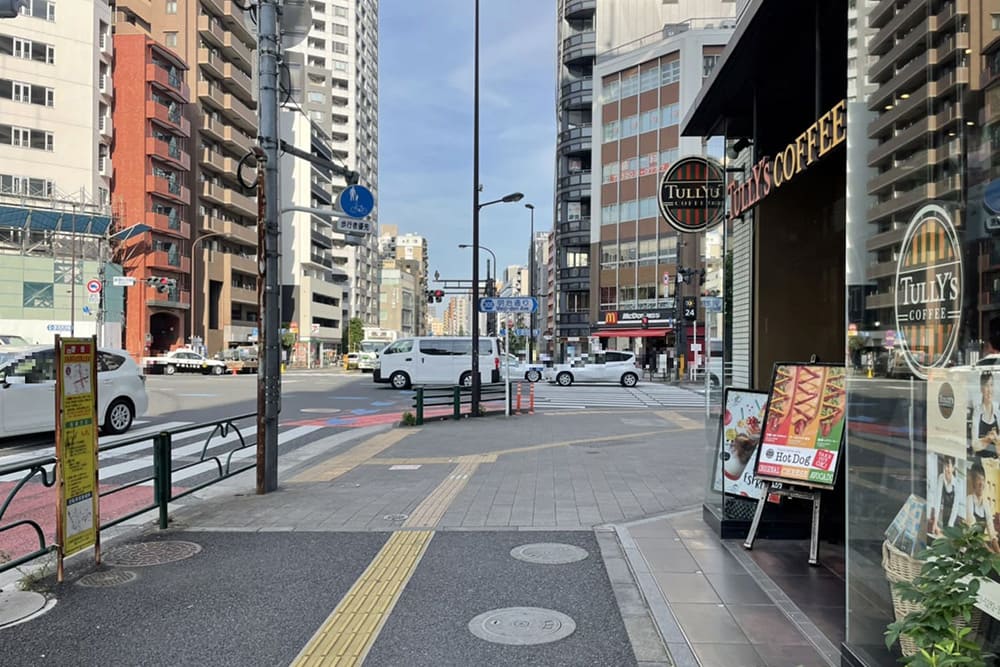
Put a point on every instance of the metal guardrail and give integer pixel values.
(163, 470)
(456, 396)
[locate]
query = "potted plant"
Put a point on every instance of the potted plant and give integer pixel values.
(943, 618)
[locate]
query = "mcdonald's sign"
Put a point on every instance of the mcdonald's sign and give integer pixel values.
(611, 317)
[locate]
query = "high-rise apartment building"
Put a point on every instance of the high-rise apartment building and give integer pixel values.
(152, 185)
(456, 317)
(586, 30)
(399, 299)
(516, 280)
(409, 253)
(340, 93)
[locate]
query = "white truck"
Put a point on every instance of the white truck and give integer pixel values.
(374, 341)
(183, 360)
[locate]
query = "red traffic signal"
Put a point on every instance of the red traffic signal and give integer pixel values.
(438, 295)
(645, 322)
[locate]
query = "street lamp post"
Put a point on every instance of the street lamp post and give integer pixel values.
(490, 317)
(531, 286)
(194, 267)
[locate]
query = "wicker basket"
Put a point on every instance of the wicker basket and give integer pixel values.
(898, 567)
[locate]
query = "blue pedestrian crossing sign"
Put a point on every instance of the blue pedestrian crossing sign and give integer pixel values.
(508, 304)
(357, 201)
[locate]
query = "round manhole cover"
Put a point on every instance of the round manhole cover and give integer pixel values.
(396, 518)
(107, 578)
(522, 626)
(142, 554)
(18, 605)
(549, 553)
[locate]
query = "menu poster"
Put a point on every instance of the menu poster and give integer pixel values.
(949, 394)
(742, 419)
(76, 443)
(803, 425)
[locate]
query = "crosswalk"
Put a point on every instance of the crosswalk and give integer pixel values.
(644, 395)
(134, 462)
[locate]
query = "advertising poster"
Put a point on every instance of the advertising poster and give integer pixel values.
(948, 402)
(76, 443)
(742, 420)
(804, 425)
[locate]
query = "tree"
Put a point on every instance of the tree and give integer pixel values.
(356, 333)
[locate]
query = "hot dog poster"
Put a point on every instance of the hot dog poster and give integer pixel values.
(804, 424)
(742, 421)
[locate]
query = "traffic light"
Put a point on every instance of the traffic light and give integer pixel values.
(701, 277)
(645, 322)
(438, 295)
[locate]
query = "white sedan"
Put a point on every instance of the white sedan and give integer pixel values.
(520, 369)
(610, 366)
(28, 390)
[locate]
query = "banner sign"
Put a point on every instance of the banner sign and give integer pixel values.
(693, 194)
(742, 422)
(78, 519)
(804, 425)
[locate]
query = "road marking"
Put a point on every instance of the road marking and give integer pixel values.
(680, 421)
(405, 466)
(347, 635)
(428, 460)
(584, 441)
(433, 507)
(349, 460)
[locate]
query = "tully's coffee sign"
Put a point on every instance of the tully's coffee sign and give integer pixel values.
(928, 290)
(772, 172)
(693, 194)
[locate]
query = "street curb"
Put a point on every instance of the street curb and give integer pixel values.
(146, 523)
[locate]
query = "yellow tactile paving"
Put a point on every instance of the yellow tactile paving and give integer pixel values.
(349, 632)
(349, 460)
(583, 441)
(430, 460)
(680, 421)
(433, 507)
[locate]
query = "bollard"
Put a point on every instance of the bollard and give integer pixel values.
(518, 398)
(420, 405)
(161, 475)
(531, 398)
(456, 397)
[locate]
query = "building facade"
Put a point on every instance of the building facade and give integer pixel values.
(585, 31)
(400, 298)
(409, 253)
(456, 317)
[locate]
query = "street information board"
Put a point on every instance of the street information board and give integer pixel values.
(78, 518)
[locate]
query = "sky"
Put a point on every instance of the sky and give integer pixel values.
(426, 122)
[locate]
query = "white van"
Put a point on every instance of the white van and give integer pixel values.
(436, 360)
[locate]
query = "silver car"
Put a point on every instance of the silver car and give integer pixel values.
(28, 387)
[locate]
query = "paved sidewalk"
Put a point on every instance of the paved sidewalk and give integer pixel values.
(453, 499)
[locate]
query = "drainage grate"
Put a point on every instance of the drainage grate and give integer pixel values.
(522, 626)
(107, 578)
(549, 553)
(142, 554)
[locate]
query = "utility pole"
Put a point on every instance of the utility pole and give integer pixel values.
(475, 220)
(268, 248)
(531, 286)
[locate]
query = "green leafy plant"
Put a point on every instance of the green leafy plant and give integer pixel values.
(946, 589)
(409, 419)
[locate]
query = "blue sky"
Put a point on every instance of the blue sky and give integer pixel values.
(425, 127)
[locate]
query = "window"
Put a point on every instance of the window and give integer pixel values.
(668, 157)
(609, 214)
(576, 260)
(649, 79)
(630, 126)
(611, 91)
(171, 7)
(340, 65)
(668, 248)
(609, 254)
(609, 173)
(629, 211)
(50, 97)
(399, 347)
(108, 362)
(630, 85)
(649, 121)
(340, 12)
(708, 64)
(611, 129)
(647, 249)
(50, 54)
(170, 39)
(670, 72)
(630, 168)
(20, 136)
(670, 115)
(316, 97)
(577, 302)
(37, 295)
(995, 20)
(339, 29)
(22, 92)
(340, 47)
(648, 208)
(22, 48)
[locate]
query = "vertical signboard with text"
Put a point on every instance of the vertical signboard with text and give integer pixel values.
(78, 518)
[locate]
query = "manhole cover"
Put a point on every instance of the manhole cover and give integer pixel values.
(396, 518)
(549, 553)
(522, 626)
(18, 605)
(142, 554)
(107, 578)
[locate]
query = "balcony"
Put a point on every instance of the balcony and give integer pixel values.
(173, 120)
(240, 113)
(172, 190)
(243, 295)
(578, 9)
(886, 239)
(909, 46)
(575, 186)
(168, 152)
(321, 191)
(321, 238)
(909, 76)
(212, 63)
(211, 31)
(233, 230)
(579, 48)
(166, 224)
(243, 263)
(212, 192)
(236, 20)
(176, 298)
(875, 301)
(951, 79)
(242, 203)
(576, 278)
(900, 203)
(577, 94)
(575, 320)
(168, 261)
(171, 84)
(910, 170)
(881, 270)
(237, 140)
(575, 140)
(211, 93)
(915, 105)
(574, 233)
(212, 159)
(904, 18)
(239, 82)
(908, 138)
(949, 12)
(236, 49)
(212, 127)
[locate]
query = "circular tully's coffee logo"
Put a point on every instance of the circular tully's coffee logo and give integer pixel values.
(693, 194)
(929, 290)
(946, 400)
(769, 453)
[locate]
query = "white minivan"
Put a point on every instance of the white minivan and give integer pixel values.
(436, 360)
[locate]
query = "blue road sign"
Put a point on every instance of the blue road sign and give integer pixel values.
(357, 201)
(712, 304)
(508, 304)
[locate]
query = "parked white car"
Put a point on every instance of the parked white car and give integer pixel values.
(10, 339)
(183, 360)
(609, 366)
(28, 390)
(521, 369)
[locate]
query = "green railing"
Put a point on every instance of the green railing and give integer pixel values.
(456, 397)
(161, 453)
